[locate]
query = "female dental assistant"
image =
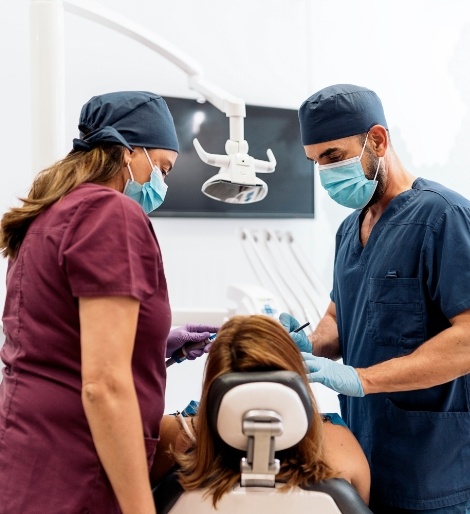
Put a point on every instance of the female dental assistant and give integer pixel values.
(87, 318)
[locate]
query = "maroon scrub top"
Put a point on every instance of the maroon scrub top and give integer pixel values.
(94, 242)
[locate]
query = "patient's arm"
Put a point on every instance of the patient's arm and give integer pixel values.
(344, 454)
(171, 433)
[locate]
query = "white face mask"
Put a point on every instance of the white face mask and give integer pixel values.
(151, 194)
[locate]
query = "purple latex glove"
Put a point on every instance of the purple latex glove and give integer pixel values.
(178, 337)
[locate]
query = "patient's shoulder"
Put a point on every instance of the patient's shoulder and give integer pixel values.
(333, 417)
(344, 454)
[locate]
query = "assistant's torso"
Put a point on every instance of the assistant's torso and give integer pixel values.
(94, 242)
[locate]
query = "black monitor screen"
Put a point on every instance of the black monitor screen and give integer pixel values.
(290, 186)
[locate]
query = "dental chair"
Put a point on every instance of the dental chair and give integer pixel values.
(260, 413)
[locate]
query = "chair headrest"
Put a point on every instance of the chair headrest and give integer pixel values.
(233, 394)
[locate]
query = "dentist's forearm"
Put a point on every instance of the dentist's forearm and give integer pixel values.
(438, 361)
(325, 340)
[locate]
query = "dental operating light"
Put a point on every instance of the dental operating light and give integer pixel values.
(236, 181)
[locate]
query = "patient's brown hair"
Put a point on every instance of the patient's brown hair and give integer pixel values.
(250, 343)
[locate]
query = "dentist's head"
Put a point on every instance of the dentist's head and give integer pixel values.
(344, 130)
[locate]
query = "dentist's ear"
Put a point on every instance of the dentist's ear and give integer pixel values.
(378, 137)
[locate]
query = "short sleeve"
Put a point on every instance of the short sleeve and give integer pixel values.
(448, 261)
(109, 248)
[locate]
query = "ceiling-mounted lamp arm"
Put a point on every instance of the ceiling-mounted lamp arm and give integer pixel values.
(240, 166)
(95, 12)
(47, 36)
(225, 102)
(233, 107)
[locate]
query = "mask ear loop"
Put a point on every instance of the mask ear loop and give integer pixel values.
(150, 160)
(364, 147)
(154, 167)
(130, 172)
(377, 170)
(360, 157)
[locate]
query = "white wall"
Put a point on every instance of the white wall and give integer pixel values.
(269, 52)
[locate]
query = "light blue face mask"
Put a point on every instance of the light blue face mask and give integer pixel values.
(151, 194)
(346, 182)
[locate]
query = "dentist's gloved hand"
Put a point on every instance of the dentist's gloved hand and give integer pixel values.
(339, 377)
(178, 337)
(300, 338)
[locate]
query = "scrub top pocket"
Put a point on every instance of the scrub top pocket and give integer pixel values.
(401, 463)
(395, 312)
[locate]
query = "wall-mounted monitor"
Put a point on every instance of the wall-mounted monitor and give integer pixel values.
(290, 186)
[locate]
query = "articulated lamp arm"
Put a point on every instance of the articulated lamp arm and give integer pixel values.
(47, 48)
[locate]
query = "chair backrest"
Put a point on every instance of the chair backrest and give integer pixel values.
(260, 413)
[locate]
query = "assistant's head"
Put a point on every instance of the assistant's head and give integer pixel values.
(250, 343)
(344, 130)
(127, 141)
(141, 124)
(127, 118)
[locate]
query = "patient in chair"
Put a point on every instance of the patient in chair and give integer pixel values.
(328, 450)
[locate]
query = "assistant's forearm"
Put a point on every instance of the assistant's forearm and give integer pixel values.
(441, 359)
(115, 422)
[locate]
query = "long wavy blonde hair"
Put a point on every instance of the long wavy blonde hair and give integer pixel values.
(250, 343)
(99, 165)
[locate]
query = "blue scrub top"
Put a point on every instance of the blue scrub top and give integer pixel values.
(391, 296)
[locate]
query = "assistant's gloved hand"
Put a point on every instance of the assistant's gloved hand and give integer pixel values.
(339, 377)
(178, 337)
(300, 338)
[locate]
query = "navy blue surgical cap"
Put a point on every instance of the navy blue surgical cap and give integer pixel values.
(128, 118)
(339, 111)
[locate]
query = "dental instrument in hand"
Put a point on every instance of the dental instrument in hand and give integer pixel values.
(181, 354)
(302, 327)
(295, 331)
